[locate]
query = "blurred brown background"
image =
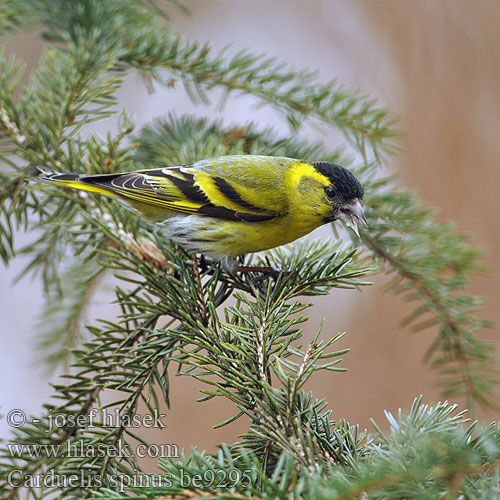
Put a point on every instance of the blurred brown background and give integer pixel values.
(434, 62)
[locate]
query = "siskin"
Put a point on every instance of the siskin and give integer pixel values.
(232, 205)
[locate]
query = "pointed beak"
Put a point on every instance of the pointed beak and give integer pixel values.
(351, 213)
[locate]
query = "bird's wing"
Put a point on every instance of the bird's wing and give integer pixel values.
(250, 182)
(233, 191)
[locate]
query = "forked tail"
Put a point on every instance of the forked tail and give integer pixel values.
(92, 183)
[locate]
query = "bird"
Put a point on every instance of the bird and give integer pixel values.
(228, 206)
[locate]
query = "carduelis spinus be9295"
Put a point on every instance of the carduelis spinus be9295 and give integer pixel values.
(232, 205)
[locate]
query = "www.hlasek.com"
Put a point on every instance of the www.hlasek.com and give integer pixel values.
(81, 448)
(228, 478)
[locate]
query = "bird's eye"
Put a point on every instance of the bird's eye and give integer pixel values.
(330, 192)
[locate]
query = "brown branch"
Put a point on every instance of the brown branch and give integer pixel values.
(204, 316)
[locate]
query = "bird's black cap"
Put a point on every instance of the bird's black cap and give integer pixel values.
(345, 183)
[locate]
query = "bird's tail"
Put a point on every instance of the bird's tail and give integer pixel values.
(73, 181)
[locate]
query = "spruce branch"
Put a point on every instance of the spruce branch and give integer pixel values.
(240, 356)
(70, 90)
(63, 19)
(177, 140)
(128, 356)
(63, 315)
(18, 14)
(174, 312)
(433, 263)
(101, 367)
(428, 454)
(294, 94)
(223, 476)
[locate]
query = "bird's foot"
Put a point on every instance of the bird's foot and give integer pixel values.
(203, 264)
(266, 272)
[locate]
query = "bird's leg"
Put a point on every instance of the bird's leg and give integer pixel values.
(230, 265)
(203, 263)
(267, 271)
(204, 316)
